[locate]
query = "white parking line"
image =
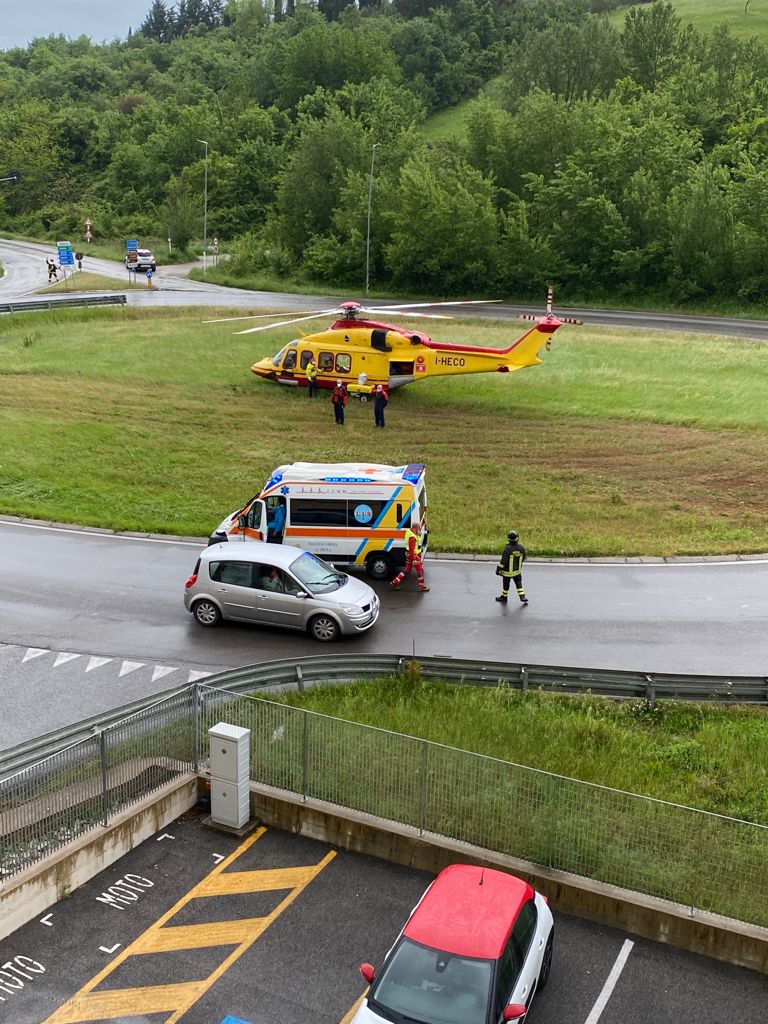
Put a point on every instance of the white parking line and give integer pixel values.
(610, 983)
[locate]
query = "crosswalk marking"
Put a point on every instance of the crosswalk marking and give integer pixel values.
(176, 999)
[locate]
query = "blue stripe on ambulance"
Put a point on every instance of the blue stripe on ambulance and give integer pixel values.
(379, 521)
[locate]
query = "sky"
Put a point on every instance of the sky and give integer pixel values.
(102, 20)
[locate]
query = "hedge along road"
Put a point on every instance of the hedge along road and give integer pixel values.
(25, 277)
(82, 593)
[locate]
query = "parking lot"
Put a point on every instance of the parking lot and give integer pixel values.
(196, 927)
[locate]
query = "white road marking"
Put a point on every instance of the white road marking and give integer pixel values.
(610, 983)
(119, 536)
(194, 676)
(162, 670)
(112, 950)
(456, 561)
(130, 666)
(64, 657)
(165, 835)
(218, 857)
(33, 652)
(47, 920)
(96, 662)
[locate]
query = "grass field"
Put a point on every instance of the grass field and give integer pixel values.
(705, 14)
(620, 443)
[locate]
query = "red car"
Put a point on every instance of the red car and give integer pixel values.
(475, 950)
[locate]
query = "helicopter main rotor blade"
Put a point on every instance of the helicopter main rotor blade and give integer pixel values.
(283, 323)
(398, 312)
(420, 305)
(261, 316)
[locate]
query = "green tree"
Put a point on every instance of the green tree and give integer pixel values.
(443, 233)
(702, 232)
(650, 40)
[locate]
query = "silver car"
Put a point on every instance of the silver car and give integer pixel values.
(272, 585)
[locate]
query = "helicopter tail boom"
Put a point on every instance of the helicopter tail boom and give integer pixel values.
(522, 352)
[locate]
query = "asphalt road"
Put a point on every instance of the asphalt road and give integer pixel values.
(25, 276)
(72, 592)
(304, 964)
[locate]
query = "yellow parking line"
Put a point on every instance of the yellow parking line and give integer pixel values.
(348, 1017)
(176, 999)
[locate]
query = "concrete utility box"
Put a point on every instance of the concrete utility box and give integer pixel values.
(230, 774)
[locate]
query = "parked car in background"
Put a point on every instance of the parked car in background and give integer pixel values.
(277, 585)
(475, 950)
(144, 261)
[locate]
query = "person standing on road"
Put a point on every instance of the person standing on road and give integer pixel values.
(52, 269)
(510, 567)
(380, 399)
(311, 377)
(339, 399)
(413, 560)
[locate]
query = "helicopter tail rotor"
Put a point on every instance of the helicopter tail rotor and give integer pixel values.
(537, 317)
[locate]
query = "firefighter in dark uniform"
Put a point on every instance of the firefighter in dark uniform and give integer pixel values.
(510, 567)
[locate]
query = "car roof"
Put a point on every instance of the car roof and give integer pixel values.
(469, 911)
(282, 555)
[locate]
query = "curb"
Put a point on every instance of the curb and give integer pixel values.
(445, 556)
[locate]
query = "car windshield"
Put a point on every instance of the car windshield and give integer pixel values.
(316, 575)
(427, 985)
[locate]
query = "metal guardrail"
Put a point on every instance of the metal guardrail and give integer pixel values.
(317, 669)
(30, 305)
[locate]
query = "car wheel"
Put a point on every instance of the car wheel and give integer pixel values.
(324, 628)
(206, 613)
(546, 961)
(379, 566)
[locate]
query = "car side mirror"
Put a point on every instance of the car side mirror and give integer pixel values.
(368, 972)
(514, 1011)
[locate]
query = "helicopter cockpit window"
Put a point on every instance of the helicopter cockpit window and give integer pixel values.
(325, 361)
(343, 362)
(306, 355)
(289, 363)
(277, 360)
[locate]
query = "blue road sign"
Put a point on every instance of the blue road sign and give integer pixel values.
(66, 257)
(131, 244)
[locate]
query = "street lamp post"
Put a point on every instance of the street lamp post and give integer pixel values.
(205, 206)
(368, 237)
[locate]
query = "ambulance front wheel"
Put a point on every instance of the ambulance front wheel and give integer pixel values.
(379, 566)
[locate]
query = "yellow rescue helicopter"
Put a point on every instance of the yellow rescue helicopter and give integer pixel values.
(363, 352)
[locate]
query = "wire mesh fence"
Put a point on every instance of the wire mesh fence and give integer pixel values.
(48, 805)
(637, 843)
(650, 846)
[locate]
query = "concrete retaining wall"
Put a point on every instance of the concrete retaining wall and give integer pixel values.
(39, 887)
(718, 937)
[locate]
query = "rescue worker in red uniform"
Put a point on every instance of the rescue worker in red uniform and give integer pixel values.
(413, 560)
(510, 567)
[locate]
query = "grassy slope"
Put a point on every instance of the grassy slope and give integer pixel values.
(705, 14)
(621, 443)
(698, 755)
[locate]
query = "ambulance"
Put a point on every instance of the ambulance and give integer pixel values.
(352, 514)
